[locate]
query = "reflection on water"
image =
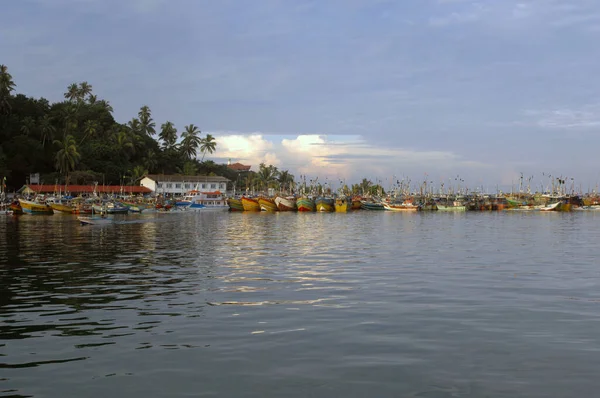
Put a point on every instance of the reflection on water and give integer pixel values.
(358, 304)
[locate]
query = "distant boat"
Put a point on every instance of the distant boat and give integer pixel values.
(286, 204)
(550, 207)
(451, 206)
(110, 208)
(197, 201)
(267, 204)
(371, 205)
(35, 207)
(235, 204)
(62, 206)
(305, 204)
(404, 206)
(342, 204)
(324, 204)
(250, 204)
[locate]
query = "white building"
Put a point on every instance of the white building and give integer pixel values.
(165, 184)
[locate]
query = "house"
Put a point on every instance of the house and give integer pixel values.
(166, 184)
(238, 167)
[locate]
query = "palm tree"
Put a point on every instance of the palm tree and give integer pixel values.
(28, 125)
(207, 144)
(191, 141)
(47, 129)
(137, 173)
(168, 134)
(286, 180)
(85, 89)
(149, 160)
(365, 186)
(89, 129)
(7, 85)
(106, 105)
(189, 169)
(123, 143)
(67, 155)
(72, 92)
(146, 123)
(134, 125)
(69, 116)
(92, 99)
(267, 174)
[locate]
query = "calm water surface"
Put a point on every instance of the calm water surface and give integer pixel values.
(301, 305)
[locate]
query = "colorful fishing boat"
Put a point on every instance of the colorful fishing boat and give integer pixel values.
(16, 208)
(286, 204)
(451, 206)
(324, 205)
(404, 206)
(35, 207)
(342, 204)
(250, 204)
(62, 206)
(305, 204)
(110, 208)
(356, 203)
(235, 204)
(267, 204)
(371, 205)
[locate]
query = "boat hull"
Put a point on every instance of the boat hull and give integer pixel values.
(342, 205)
(324, 205)
(305, 205)
(235, 204)
(35, 208)
(267, 204)
(250, 204)
(62, 208)
(400, 207)
(451, 208)
(285, 204)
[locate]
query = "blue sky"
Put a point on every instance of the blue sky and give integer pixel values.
(340, 89)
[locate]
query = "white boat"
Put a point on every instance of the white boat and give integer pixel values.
(454, 206)
(202, 201)
(404, 206)
(550, 207)
(94, 220)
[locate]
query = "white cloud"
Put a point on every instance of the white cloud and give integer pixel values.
(250, 149)
(587, 116)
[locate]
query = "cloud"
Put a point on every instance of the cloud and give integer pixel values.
(585, 117)
(250, 149)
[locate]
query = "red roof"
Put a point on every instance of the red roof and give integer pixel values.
(239, 167)
(48, 188)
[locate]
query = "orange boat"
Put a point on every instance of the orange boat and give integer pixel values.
(250, 204)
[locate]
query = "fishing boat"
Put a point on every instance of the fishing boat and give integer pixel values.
(550, 207)
(110, 208)
(62, 206)
(286, 204)
(342, 204)
(305, 204)
(403, 206)
(135, 207)
(356, 203)
(16, 208)
(324, 205)
(5, 209)
(205, 201)
(250, 204)
(451, 206)
(235, 204)
(35, 207)
(371, 205)
(267, 204)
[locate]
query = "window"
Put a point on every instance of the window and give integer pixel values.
(169, 185)
(177, 185)
(203, 186)
(187, 186)
(159, 185)
(213, 186)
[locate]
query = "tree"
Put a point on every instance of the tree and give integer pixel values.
(28, 125)
(147, 125)
(89, 129)
(207, 144)
(267, 175)
(72, 93)
(47, 129)
(137, 174)
(286, 180)
(168, 135)
(7, 85)
(189, 169)
(84, 90)
(67, 155)
(191, 141)
(134, 125)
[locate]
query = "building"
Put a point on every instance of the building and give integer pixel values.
(238, 167)
(165, 184)
(75, 190)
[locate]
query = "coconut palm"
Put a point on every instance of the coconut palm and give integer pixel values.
(137, 174)
(92, 99)
(168, 134)
(134, 125)
(106, 105)
(69, 116)
(85, 89)
(207, 144)
(123, 143)
(47, 130)
(146, 123)
(7, 85)
(285, 179)
(267, 175)
(191, 141)
(28, 125)
(72, 93)
(90, 128)
(67, 155)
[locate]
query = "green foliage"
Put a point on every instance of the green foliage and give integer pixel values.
(79, 139)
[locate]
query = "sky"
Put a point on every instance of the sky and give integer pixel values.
(437, 90)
